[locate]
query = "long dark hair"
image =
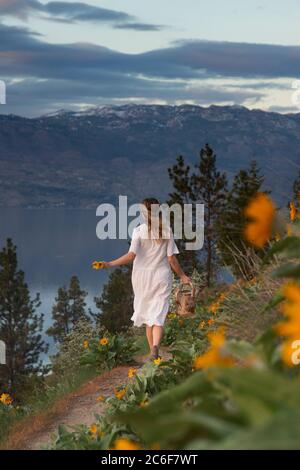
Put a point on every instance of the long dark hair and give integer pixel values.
(148, 203)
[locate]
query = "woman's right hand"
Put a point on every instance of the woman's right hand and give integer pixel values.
(100, 265)
(184, 279)
(106, 264)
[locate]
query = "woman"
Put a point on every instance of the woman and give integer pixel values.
(153, 258)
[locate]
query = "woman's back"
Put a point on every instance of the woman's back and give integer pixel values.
(151, 254)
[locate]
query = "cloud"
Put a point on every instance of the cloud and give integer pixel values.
(73, 12)
(139, 26)
(41, 75)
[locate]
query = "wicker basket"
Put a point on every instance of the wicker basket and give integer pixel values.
(185, 300)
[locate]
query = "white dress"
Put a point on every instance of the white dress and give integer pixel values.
(151, 277)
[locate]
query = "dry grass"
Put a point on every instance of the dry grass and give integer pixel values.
(243, 312)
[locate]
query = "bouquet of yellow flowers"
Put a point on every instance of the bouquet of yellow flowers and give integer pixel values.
(98, 265)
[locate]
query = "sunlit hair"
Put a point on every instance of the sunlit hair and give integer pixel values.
(153, 217)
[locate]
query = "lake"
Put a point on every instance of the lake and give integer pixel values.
(55, 244)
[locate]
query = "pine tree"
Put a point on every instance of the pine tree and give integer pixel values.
(20, 326)
(296, 192)
(68, 309)
(180, 177)
(209, 186)
(231, 223)
(205, 185)
(116, 302)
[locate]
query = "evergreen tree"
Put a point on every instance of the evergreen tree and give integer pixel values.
(233, 249)
(209, 187)
(180, 177)
(296, 192)
(68, 309)
(205, 185)
(20, 326)
(116, 302)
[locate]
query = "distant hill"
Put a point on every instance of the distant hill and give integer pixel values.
(80, 159)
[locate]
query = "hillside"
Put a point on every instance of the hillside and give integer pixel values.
(79, 159)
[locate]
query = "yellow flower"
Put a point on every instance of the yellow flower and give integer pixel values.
(157, 361)
(125, 444)
(290, 328)
(210, 321)
(277, 237)
(93, 429)
(120, 393)
(214, 307)
(100, 398)
(172, 315)
(291, 292)
(103, 341)
(215, 355)
(6, 399)
(293, 211)
(85, 344)
(132, 372)
(261, 211)
(202, 324)
(252, 281)
(98, 265)
(144, 403)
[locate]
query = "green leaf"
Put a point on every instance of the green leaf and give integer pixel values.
(288, 270)
(289, 245)
(277, 299)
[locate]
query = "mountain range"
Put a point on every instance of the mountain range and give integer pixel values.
(80, 159)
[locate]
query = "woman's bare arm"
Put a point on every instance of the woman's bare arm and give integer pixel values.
(178, 270)
(125, 259)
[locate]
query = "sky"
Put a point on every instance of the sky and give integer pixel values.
(73, 55)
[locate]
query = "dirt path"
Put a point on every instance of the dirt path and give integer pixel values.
(78, 407)
(82, 405)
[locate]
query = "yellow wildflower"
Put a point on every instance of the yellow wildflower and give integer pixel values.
(277, 237)
(120, 393)
(132, 372)
(261, 211)
(293, 211)
(100, 398)
(202, 324)
(252, 281)
(214, 307)
(103, 341)
(172, 315)
(6, 399)
(85, 344)
(98, 265)
(290, 328)
(215, 355)
(157, 361)
(125, 444)
(144, 403)
(93, 429)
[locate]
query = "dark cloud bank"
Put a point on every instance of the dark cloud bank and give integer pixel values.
(55, 75)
